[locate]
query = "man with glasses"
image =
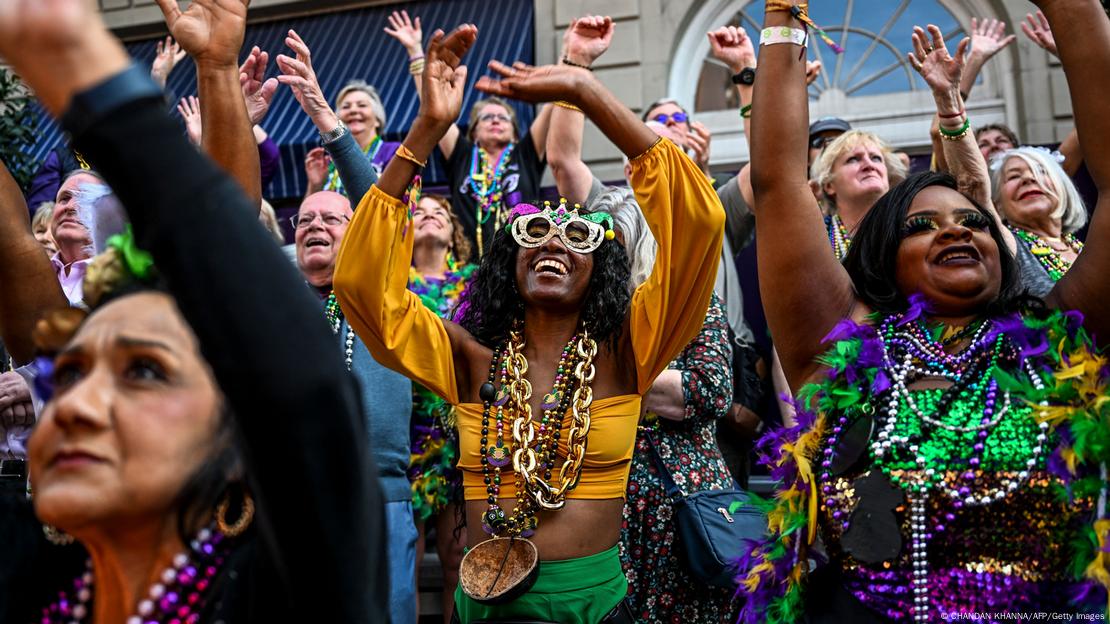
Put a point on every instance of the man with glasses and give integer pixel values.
(386, 396)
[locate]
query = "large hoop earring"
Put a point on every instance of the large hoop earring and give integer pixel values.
(246, 514)
(56, 536)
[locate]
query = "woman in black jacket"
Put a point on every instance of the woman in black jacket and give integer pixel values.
(171, 412)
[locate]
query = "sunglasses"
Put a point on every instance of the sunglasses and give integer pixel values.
(677, 117)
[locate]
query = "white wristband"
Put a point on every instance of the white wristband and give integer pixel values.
(783, 34)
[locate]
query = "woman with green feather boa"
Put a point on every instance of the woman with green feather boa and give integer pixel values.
(439, 273)
(953, 433)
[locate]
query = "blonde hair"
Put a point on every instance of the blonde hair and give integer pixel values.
(376, 105)
(268, 218)
(824, 166)
(42, 216)
(1050, 176)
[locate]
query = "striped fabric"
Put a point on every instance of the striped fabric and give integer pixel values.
(348, 45)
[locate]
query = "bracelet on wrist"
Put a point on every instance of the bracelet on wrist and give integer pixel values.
(566, 105)
(404, 152)
(958, 133)
(746, 111)
(416, 66)
(800, 12)
(335, 134)
(953, 115)
(567, 61)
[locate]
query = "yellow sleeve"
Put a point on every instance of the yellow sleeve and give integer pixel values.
(686, 217)
(371, 284)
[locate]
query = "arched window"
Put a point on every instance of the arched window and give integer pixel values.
(871, 84)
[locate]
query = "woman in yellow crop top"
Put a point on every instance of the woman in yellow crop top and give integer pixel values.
(552, 353)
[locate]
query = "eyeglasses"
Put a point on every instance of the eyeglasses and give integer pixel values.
(678, 117)
(300, 222)
(494, 116)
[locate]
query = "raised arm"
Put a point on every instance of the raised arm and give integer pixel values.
(584, 41)
(355, 170)
(212, 33)
(942, 72)
(677, 199)
(30, 284)
(804, 288)
(372, 271)
(1083, 40)
(409, 34)
(988, 37)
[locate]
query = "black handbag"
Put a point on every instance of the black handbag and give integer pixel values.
(710, 537)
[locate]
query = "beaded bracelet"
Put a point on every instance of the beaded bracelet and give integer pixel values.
(416, 66)
(746, 111)
(566, 105)
(404, 152)
(957, 134)
(567, 61)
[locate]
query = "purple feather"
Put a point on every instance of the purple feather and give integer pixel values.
(918, 308)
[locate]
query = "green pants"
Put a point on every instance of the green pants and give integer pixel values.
(572, 591)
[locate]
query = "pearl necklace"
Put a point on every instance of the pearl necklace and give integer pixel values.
(335, 319)
(176, 597)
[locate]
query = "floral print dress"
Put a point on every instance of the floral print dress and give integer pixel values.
(660, 587)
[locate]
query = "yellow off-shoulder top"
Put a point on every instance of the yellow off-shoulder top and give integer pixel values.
(667, 311)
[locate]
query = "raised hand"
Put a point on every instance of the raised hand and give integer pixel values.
(58, 47)
(445, 76)
(988, 37)
(732, 46)
(813, 70)
(407, 32)
(1039, 32)
(15, 401)
(587, 38)
(258, 92)
(931, 59)
(698, 141)
(211, 31)
(301, 78)
(167, 56)
(189, 108)
(548, 83)
(316, 168)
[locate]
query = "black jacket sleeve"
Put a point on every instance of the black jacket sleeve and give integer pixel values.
(319, 506)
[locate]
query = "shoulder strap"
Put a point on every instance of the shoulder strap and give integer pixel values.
(673, 491)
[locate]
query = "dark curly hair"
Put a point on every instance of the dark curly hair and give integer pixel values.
(492, 302)
(872, 260)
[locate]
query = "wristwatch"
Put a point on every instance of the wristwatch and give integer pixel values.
(333, 135)
(745, 77)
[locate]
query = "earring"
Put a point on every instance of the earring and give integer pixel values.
(246, 514)
(56, 536)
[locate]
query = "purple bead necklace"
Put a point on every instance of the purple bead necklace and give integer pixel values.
(177, 597)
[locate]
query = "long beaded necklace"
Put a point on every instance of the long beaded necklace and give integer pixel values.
(335, 183)
(534, 449)
(1052, 260)
(177, 597)
(335, 319)
(485, 186)
(839, 237)
(911, 352)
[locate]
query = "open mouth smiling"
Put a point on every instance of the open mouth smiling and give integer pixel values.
(550, 266)
(958, 255)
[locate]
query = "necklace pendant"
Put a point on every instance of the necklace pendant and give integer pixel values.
(551, 400)
(502, 396)
(498, 455)
(493, 520)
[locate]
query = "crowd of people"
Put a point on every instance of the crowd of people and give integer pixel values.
(202, 426)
